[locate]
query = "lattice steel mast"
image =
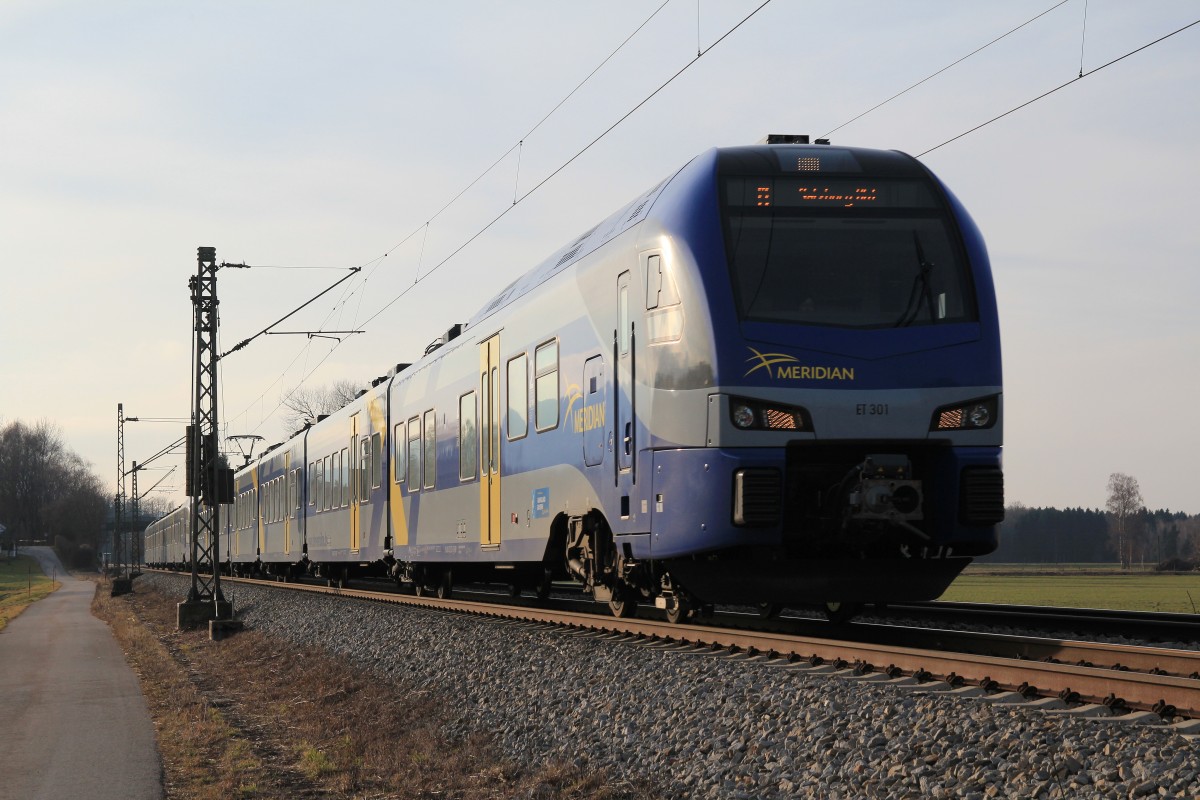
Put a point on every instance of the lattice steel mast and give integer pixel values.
(206, 478)
(118, 548)
(135, 543)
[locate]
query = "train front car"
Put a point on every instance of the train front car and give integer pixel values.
(839, 304)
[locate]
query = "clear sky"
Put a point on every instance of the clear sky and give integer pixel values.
(324, 134)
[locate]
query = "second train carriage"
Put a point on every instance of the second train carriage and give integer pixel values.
(773, 378)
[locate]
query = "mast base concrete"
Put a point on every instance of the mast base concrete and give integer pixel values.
(194, 613)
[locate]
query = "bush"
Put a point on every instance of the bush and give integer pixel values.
(85, 557)
(1175, 564)
(66, 549)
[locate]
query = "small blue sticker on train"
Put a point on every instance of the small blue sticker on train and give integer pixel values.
(541, 502)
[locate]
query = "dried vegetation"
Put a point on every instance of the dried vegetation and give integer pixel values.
(253, 717)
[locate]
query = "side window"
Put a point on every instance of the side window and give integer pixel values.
(545, 385)
(329, 484)
(320, 485)
(344, 478)
(466, 437)
(335, 486)
(364, 470)
(624, 321)
(414, 453)
(518, 397)
(376, 460)
(485, 419)
(660, 285)
(398, 459)
(294, 506)
(653, 281)
(430, 448)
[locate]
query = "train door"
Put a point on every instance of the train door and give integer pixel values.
(285, 515)
(626, 367)
(360, 479)
(592, 417)
(260, 513)
(489, 442)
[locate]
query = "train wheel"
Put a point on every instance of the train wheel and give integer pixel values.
(678, 609)
(544, 585)
(839, 612)
(622, 605)
(769, 610)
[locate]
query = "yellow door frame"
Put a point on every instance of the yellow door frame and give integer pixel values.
(489, 441)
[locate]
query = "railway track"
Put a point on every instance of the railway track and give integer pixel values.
(1148, 684)
(1154, 626)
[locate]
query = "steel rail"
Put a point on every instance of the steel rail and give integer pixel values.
(1179, 626)
(1117, 688)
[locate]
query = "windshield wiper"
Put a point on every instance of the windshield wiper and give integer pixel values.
(921, 289)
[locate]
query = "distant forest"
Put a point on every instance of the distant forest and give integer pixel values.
(1073, 535)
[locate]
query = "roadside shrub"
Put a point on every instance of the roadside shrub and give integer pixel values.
(66, 549)
(85, 557)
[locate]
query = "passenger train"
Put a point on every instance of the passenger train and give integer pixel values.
(772, 379)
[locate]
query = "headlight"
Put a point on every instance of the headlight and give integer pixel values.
(972, 415)
(767, 416)
(743, 416)
(980, 416)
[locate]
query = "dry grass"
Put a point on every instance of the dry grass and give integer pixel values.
(253, 717)
(22, 583)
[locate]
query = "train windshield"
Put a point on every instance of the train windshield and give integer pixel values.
(843, 252)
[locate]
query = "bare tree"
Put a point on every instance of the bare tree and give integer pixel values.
(47, 492)
(305, 404)
(1124, 503)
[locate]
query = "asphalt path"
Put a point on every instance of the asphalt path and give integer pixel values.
(75, 724)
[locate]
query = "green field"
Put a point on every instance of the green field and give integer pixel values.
(21, 583)
(1077, 586)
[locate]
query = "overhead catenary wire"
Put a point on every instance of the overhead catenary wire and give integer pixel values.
(1043, 95)
(529, 133)
(244, 342)
(541, 183)
(952, 64)
(568, 162)
(374, 264)
(1083, 38)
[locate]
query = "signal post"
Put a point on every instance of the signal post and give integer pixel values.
(209, 482)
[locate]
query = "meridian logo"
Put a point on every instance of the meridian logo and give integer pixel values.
(782, 366)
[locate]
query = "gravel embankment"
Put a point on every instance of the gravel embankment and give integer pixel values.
(709, 727)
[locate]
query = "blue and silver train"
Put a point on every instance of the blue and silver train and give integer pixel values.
(772, 379)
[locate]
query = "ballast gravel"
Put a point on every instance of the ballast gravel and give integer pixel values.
(705, 726)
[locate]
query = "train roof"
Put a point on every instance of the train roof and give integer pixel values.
(760, 159)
